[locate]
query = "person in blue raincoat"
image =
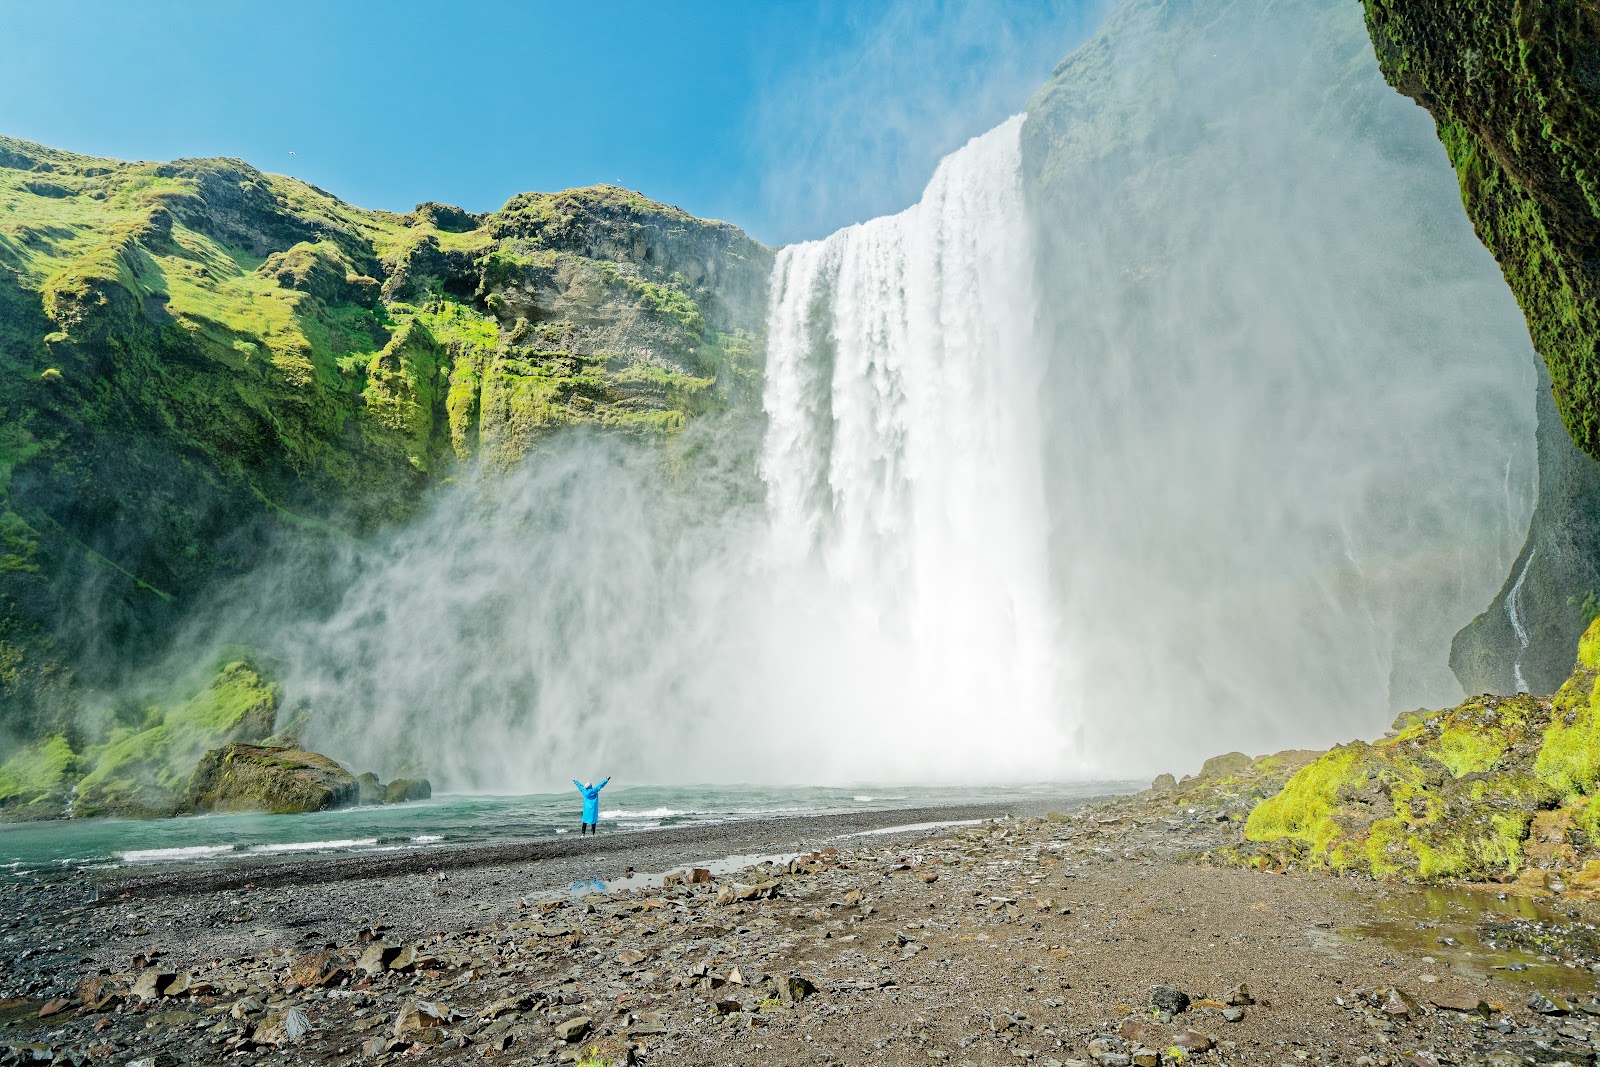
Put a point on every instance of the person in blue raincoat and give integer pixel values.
(591, 806)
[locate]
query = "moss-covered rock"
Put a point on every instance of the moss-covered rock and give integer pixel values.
(1231, 784)
(282, 779)
(1485, 790)
(368, 789)
(402, 790)
(1514, 90)
(36, 781)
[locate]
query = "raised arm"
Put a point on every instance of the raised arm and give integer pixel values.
(578, 784)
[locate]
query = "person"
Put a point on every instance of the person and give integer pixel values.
(591, 806)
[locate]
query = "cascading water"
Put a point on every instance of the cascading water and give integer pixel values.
(903, 450)
(1186, 414)
(1514, 615)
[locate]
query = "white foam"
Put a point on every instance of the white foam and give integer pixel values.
(652, 813)
(315, 846)
(187, 852)
(427, 839)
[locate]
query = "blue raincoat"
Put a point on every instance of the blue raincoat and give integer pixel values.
(591, 800)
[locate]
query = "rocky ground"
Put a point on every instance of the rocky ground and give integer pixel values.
(1094, 936)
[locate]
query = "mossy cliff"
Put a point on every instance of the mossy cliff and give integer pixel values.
(1514, 90)
(1497, 788)
(196, 354)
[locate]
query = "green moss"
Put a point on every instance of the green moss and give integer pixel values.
(38, 773)
(1464, 749)
(1451, 795)
(1512, 99)
(145, 770)
(194, 355)
(1305, 809)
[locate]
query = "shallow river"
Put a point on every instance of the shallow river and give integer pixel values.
(460, 819)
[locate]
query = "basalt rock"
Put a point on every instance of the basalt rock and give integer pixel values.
(1514, 91)
(281, 780)
(404, 789)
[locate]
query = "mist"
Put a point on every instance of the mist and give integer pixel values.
(1290, 397)
(1183, 414)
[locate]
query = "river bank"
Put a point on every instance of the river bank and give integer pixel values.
(1027, 939)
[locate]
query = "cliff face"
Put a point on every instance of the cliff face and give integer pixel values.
(1551, 588)
(194, 354)
(1514, 90)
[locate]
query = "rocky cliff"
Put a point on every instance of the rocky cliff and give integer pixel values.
(1514, 90)
(1523, 641)
(197, 355)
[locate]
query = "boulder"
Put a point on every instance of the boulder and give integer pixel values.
(151, 983)
(368, 789)
(418, 1016)
(609, 1051)
(574, 1029)
(403, 789)
(281, 779)
(377, 957)
(1169, 999)
(792, 989)
(314, 969)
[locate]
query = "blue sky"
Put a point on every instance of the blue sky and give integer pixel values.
(788, 118)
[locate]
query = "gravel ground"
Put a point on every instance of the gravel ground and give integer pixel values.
(1091, 937)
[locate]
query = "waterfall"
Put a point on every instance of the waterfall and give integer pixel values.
(902, 458)
(1514, 614)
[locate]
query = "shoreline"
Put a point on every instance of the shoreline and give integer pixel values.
(628, 848)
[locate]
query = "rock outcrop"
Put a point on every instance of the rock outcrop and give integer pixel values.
(1496, 788)
(281, 779)
(1524, 640)
(1514, 91)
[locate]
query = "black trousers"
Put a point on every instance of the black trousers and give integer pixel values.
(588, 828)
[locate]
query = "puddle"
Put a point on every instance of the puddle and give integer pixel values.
(1478, 932)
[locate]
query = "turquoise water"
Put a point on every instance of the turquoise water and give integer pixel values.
(31, 848)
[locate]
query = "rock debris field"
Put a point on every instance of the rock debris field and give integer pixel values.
(1092, 937)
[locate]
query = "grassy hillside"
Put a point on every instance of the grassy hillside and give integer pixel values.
(195, 354)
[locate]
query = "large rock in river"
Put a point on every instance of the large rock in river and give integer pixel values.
(280, 779)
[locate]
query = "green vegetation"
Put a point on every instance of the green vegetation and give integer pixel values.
(144, 768)
(1512, 95)
(1491, 789)
(194, 354)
